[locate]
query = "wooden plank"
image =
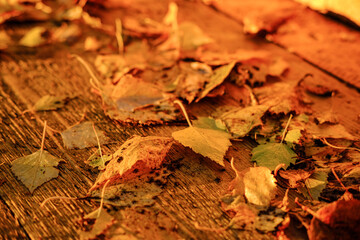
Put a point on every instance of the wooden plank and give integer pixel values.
(192, 195)
(327, 44)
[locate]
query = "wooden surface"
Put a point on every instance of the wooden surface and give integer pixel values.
(192, 195)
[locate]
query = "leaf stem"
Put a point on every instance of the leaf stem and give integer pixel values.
(102, 198)
(87, 67)
(118, 32)
(336, 147)
(184, 111)
(98, 142)
(286, 127)
(43, 138)
(338, 179)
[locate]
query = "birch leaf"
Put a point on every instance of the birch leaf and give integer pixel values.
(259, 185)
(82, 136)
(314, 184)
(35, 169)
(217, 77)
(34, 37)
(207, 142)
(102, 223)
(192, 37)
(241, 121)
(49, 102)
(96, 160)
(141, 153)
(272, 154)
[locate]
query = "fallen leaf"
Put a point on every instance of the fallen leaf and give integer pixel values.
(271, 155)
(135, 192)
(216, 78)
(91, 44)
(191, 80)
(97, 160)
(49, 102)
(67, 33)
(337, 220)
(327, 130)
(278, 67)
(138, 155)
(216, 58)
(102, 223)
(267, 221)
(192, 37)
(144, 28)
(34, 37)
(36, 169)
(131, 93)
(82, 136)
(209, 123)
(259, 186)
(159, 113)
(295, 178)
(353, 173)
(314, 185)
(241, 121)
(282, 97)
(207, 142)
(293, 136)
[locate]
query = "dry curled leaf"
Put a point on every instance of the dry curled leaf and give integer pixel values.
(337, 220)
(102, 223)
(36, 169)
(138, 155)
(33, 38)
(241, 121)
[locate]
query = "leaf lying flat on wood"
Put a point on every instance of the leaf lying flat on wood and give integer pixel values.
(82, 136)
(49, 102)
(35, 169)
(102, 223)
(141, 153)
(240, 122)
(191, 36)
(207, 142)
(271, 155)
(130, 93)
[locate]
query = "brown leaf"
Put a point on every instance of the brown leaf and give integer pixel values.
(337, 220)
(137, 156)
(282, 97)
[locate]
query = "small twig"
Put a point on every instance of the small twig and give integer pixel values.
(337, 147)
(118, 32)
(286, 127)
(184, 111)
